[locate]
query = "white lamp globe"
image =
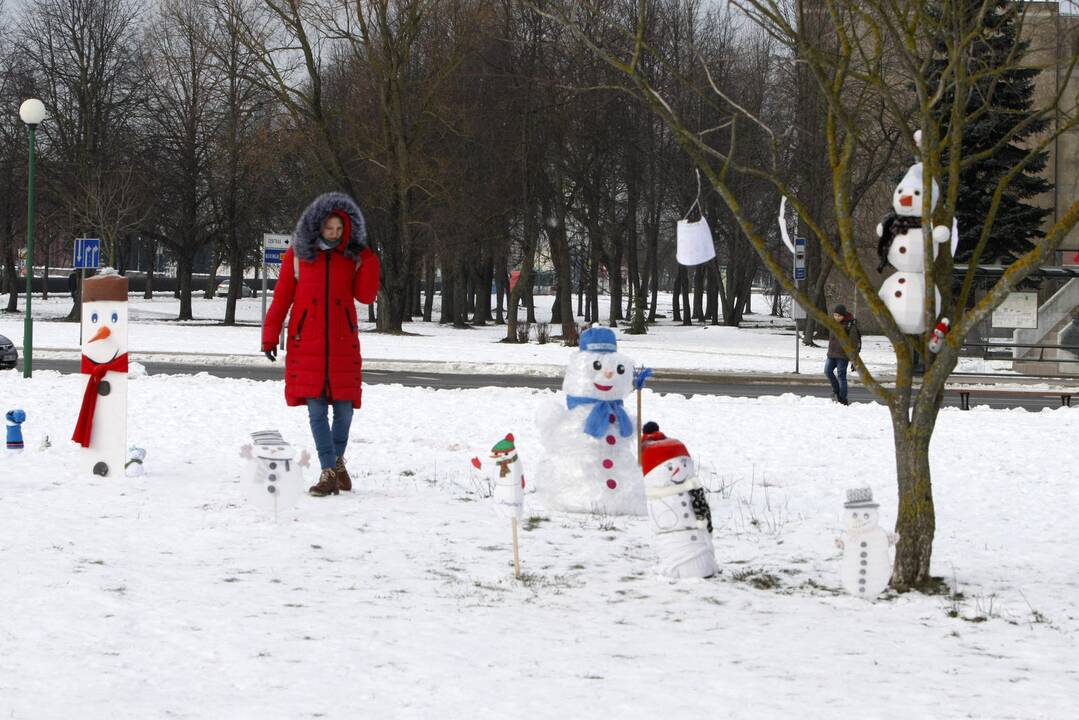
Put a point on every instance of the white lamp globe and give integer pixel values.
(32, 111)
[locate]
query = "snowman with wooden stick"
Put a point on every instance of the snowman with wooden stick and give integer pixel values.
(102, 425)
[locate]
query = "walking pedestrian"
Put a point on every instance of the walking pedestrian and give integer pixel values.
(835, 366)
(327, 267)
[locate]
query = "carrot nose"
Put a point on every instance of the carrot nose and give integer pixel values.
(101, 334)
(906, 200)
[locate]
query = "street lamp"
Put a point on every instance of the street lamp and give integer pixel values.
(32, 113)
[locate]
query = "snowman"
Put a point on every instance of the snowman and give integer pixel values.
(677, 506)
(588, 436)
(508, 482)
(102, 424)
(136, 457)
(867, 566)
(272, 479)
(901, 245)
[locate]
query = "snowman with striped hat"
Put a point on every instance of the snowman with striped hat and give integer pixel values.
(589, 437)
(867, 565)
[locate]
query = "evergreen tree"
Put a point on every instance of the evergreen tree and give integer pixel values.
(1010, 96)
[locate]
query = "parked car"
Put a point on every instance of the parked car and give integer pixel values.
(245, 290)
(8, 354)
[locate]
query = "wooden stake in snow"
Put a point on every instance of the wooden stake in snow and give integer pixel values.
(640, 376)
(516, 551)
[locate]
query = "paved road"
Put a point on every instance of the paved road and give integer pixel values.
(727, 385)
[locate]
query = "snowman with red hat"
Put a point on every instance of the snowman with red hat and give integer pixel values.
(681, 518)
(588, 436)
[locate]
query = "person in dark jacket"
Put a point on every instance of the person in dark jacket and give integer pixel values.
(327, 267)
(835, 367)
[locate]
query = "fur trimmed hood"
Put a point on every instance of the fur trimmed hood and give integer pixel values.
(309, 228)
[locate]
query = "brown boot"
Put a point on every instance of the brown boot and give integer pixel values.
(343, 480)
(327, 484)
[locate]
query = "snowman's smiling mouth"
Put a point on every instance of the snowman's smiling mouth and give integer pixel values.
(603, 388)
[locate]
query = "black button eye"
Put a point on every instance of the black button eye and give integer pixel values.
(597, 365)
(917, 192)
(621, 369)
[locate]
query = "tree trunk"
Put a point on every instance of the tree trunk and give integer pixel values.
(501, 277)
(236, 279)
(151, 264)
(676, 305)
(687, 319)
(429, 290)
(446, 314)
(698, 292)
(653, 271)
(183, 286)
(916, 518)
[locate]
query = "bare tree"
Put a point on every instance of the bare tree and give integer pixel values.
(881, 60)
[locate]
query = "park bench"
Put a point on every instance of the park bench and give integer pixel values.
(965, 393)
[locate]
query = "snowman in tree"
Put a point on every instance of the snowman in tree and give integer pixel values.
(901, 244)
(588, 436)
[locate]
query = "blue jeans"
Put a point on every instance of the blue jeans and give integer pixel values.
(330, 442)
(838, 366)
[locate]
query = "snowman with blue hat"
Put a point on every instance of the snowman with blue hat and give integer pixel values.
(589, 437)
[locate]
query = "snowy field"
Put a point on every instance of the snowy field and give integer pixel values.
(767, 345)
(167, 596)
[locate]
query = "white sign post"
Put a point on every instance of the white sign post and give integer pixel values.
(1019, 310)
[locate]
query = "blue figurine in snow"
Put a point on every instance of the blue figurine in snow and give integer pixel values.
(15, 418)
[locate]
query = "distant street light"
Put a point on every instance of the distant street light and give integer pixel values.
(32, 113)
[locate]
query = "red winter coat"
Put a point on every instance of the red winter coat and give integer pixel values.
(323, 346)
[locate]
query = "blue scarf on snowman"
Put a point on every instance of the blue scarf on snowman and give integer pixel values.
(603, 340)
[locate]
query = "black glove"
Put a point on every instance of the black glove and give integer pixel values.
(271, 354)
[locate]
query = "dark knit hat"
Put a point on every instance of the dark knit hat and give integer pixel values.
(840, 309)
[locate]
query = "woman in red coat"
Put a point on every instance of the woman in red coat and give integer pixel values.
(327, 267)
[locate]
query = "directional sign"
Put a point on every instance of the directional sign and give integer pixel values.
(87, 253)
(800, 258)
(273, 247)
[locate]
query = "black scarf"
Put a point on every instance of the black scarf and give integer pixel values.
(894, 225)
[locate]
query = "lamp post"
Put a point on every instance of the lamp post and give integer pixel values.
(32, 113)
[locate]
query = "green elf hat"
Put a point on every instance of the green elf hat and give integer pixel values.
(504, 447)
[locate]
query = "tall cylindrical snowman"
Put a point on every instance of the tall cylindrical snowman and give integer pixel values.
(901, 244)
(589, 465)
(101, 429)
(867, 566)
(677, 506)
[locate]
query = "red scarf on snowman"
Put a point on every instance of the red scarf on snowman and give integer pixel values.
(84, 428)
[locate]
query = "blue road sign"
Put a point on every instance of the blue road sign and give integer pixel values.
(272, 256)
(87, 253)
(800, 258)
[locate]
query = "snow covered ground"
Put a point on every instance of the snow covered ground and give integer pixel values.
(761, 348)
(168, 596)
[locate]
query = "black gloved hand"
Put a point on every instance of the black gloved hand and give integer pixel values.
(271, 354)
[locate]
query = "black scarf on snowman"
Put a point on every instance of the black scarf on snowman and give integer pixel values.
(893, 225)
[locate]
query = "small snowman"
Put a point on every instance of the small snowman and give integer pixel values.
(681, 518)
(102, 426)
(867, 565)
(901, 245)
(272, 479)
(508, 483)
(135, 459)
(15, 418)
(588, 436)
